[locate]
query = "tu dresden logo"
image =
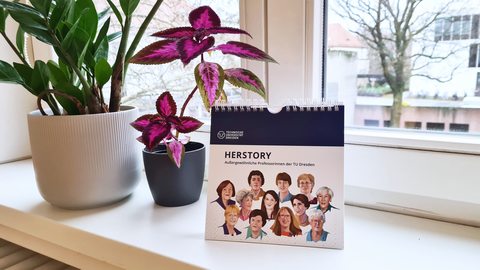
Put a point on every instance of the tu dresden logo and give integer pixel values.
(221, 135)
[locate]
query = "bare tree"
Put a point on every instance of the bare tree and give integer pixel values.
(389, 27)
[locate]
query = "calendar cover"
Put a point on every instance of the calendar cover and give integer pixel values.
(277, 178)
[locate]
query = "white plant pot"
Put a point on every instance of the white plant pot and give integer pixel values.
(85, 161)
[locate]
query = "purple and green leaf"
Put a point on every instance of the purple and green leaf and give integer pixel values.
(166, 106)
(189, 124)
(245, 79)
(204, 17)
(227, 30)
(160, 52)
(142, 122)
(176, 151)
(154, 133)
(188, 48)
(210, 79)
(175, 121)
(176, 33)
(244, 50)
(184, 140)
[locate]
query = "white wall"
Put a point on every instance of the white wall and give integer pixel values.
(15, 103)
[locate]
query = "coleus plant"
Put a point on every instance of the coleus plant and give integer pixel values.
(186, 44)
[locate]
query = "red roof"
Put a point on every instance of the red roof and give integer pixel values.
(340, 37)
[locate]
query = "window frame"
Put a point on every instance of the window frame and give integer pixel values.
(366, 185)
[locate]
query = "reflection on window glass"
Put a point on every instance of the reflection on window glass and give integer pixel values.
(466, 27)
(438, 29)
(457, 23)
(420, 72)
(144, 83)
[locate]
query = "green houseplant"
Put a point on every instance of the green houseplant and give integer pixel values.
(173, 185)
(82, 155)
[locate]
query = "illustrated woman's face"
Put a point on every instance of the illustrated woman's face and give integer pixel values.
(247, 203)
(256, 223)
(256, 182)
(284, 218)
(324, 199)
(270, 202)
(305, 186)
(283, 185)
(227, 192)
(298, 207)
(232, 218)
(317, 224)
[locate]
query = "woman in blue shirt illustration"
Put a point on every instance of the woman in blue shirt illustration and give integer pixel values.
(317, 219)
(225, 191)
(284, 181)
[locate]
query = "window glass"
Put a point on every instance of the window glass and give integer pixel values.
(457, 23)
(466, 27)
(475, 20)
(438, 29)
(420, 72)
(144, 83)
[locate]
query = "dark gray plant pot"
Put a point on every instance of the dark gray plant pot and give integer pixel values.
(171, 186)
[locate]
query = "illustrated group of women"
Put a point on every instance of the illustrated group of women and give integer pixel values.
(301, 210)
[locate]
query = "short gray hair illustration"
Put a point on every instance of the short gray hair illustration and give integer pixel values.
(315, 213)
(324, 188)
(242, 194)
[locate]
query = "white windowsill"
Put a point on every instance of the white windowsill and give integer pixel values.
(412, 139)
(137, 234)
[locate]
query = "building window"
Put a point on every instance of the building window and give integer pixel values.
(477, 89)
(472, 60)
(459, 127)
(371, 123)
(457, 27)
(413, 125)
(466, 27)
(436, 126)
(386, 123)
(475, 20)
(438, 29)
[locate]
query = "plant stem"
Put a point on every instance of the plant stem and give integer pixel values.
(123, 42)
(52, 104)
(182, 111)
(116, 85)
(17, 52)
(73, 99)
(140, 33)
(187, 100)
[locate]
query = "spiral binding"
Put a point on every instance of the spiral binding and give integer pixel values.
(294, 105)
